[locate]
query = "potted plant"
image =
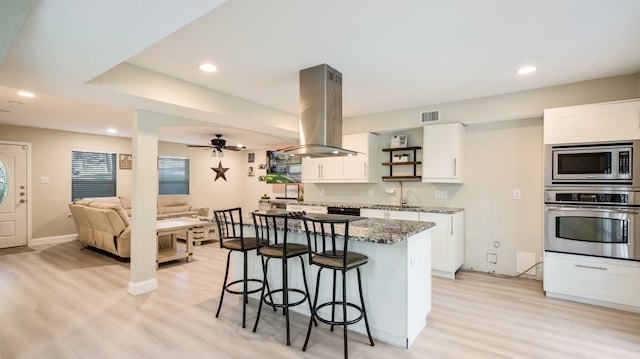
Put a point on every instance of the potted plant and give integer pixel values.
(401, 157)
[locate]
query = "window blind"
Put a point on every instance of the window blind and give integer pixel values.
(93, 174)
(173, 175)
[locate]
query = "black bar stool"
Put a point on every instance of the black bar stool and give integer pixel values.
(230, 230)
(326, 251)
(272, 230)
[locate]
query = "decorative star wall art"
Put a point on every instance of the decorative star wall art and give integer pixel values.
(220, 171)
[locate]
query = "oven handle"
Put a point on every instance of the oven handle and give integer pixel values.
(588, 208)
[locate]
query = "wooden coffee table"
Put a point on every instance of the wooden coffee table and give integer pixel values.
(174, 227)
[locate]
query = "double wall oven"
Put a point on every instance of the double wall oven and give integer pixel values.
(592, 199)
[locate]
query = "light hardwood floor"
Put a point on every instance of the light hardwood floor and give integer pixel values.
(63, 301)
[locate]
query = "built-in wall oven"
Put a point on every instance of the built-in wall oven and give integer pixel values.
(603, 222)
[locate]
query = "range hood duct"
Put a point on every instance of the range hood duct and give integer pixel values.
(320, 114)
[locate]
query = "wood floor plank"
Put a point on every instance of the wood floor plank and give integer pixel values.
(64, 301)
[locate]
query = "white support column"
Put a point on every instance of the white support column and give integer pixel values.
(144, 193)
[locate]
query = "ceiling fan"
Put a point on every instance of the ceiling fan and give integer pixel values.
(218, 144)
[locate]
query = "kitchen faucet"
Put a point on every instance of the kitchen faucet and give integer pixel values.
(403, 200)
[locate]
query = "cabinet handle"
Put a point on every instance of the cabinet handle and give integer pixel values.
(452, 226)
(364, 174)
(590, 267)
(454, 166)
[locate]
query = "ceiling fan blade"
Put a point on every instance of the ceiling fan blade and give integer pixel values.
(204, 146)
(234, 148)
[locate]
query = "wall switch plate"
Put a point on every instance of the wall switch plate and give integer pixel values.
(437, 194)
(370, 193)
(44, 180)
(443, 194)
(517, 194)
(321, 193)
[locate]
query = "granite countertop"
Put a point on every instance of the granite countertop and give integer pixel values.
(373, 230)
(389, 207)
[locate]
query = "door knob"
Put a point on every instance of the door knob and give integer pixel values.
(23, 200)
(22, 193)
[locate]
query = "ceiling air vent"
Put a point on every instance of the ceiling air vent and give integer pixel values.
(429, 116)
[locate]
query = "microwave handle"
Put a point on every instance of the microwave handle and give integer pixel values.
(554, 208)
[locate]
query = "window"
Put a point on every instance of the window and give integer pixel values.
(93, 174)
(173, 174)
(4, 182)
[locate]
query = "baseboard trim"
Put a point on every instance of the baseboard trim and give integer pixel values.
(143, 287)
(53, 240)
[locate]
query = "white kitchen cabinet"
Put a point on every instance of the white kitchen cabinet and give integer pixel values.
(306, 208)
(447, 242)
(389, 214)
(611, 121)
(354, 169)
(447, 237)
(322, 169)
(593, 280)
(358, 168)
(443, 154)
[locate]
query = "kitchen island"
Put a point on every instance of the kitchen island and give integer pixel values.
(396, 280)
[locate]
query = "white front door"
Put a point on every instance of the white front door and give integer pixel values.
(13, 195)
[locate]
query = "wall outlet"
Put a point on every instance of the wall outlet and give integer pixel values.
(437, 194)
(517, 194)
(443, 194)
(492, 258)
(321, 193)
(370, 193)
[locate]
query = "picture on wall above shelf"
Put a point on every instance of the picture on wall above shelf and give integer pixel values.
(402, 156)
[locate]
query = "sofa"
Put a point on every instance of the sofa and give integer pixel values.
(104, 222)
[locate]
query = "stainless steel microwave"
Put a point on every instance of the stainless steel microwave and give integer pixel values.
(600, 163)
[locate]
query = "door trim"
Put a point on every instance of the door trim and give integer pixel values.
(29, 185)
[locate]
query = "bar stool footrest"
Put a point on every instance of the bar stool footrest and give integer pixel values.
(241, 281)
(266, 296)
(338, 304)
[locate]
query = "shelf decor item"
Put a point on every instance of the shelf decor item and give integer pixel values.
(399, 141)
(401, 157)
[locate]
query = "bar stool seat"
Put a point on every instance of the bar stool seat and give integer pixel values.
(272, 230)
(326, 252)
(230, 229)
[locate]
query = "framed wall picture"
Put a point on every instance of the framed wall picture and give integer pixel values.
(251, 157)
(250, 171)
(291, 191)
(126, 161)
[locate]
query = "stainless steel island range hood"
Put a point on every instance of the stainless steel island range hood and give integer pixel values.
(320, 114)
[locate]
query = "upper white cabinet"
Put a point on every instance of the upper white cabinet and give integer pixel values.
(322, 169)
(354, 169)
(611, 121)
(358, 168)
(443, 153)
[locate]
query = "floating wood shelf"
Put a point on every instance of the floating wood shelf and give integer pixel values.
(401, 178)
(413, 163)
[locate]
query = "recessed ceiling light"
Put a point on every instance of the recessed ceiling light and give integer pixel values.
(208, 68)
(526, 70)
(26, 94)
(112, 130)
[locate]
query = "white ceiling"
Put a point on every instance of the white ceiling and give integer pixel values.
(393, 55)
